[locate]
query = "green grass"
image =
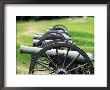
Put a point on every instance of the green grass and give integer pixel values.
(81, 31)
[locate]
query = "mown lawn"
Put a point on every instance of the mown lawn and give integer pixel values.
(81, 31)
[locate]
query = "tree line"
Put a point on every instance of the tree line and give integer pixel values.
(26, 18)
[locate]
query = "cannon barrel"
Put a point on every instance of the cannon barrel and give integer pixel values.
(71, 54)
(37, 40)
(39, 35)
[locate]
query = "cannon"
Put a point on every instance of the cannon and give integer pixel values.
(52, 52)
(55, 53)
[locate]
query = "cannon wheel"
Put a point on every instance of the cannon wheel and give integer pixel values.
(61, 66)
(42, 42)
(49, 37)
(61, 27)
(54, 32)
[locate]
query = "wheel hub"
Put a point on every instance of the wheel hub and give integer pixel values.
(61, 71)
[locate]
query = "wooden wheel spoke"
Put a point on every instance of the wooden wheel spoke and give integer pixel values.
(66, 57)
(77, 67)
(58, 58)
(45, 66)
(73, 60)
(50, 60)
